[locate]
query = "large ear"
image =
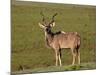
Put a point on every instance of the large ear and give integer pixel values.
(52, 24)
(41, 25)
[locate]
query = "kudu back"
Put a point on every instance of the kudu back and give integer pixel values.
(61, 39)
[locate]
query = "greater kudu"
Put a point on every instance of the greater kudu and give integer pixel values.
(60, 40)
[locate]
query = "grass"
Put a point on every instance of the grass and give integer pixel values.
(83, 66)
(28, 46)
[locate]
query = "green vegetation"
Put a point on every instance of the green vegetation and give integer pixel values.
(28, 46)
(85, 66)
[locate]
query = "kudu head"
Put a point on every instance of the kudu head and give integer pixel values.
(47, 25)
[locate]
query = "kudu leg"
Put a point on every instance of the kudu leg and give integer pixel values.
(56, 55)
(74, 57)
(60, 58)
(73, 60)
(78, 58)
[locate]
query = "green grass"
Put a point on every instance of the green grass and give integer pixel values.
(84, 66)
(28, 46)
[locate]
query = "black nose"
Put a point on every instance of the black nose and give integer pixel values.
(48, 30)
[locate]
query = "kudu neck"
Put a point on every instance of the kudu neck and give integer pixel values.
(48, 37)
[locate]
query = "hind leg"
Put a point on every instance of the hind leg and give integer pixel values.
(74, 56)
(78, 55)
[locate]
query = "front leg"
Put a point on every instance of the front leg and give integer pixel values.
(60, 57)
(57, 57)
